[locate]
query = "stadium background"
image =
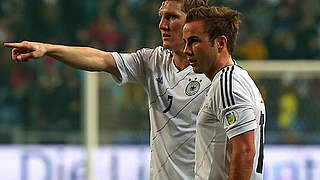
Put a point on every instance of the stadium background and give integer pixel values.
(41, 102)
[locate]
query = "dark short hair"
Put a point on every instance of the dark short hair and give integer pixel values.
(218, 21)
(189, 4)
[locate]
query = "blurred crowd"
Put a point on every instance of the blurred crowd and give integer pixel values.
(46, 96)
(278, 29)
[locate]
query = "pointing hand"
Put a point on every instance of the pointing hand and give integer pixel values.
(22, 52)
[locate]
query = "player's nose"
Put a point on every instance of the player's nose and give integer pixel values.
(187, 50)
(163, 24)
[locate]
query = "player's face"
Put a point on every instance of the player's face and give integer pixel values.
(201, 54)
(171, 24)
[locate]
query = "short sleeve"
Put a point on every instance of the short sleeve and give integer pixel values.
(238, 120)
(236, 104)
(132, 65)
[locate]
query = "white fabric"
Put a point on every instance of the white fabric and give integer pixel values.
(172, 135)
(233, 106)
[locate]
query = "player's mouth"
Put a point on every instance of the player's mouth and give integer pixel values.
(165, 36)
(192, 62)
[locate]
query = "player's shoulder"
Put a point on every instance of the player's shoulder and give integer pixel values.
(223, 80)
(229, 83)
(161, 51)
(231, 73)
(157, 52)
(227, 74)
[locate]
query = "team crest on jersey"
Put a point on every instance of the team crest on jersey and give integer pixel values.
(231, 117)
(193, 87)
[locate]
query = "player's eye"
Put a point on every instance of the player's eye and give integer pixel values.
(170, 17)
(192, 41)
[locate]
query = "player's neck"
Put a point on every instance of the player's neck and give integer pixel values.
(180, 60)
(224, 61)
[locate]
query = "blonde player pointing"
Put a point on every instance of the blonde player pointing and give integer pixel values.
(175, 92)
(230, 125)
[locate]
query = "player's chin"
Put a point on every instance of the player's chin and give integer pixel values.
(196, 70)
(166, 45)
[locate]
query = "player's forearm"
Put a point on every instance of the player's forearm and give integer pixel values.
(84, 58)
(241, 165)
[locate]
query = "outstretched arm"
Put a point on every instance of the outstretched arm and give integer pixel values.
(243, 151)
(84, 58)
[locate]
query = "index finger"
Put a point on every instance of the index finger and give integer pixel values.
(13, 45)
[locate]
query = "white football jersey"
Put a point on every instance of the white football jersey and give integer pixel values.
(232, 107)
(175, 98)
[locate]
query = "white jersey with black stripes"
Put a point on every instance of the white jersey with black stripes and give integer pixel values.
(232, 107)
(175, 98)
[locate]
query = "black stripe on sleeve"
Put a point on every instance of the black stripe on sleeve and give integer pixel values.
(121, 58)
(226, 86)
(240, 125)
(221, 86)
(230, 87)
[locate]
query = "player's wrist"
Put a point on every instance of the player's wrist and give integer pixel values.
(49, 49)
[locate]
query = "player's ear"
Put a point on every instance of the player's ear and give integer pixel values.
(221, 42)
